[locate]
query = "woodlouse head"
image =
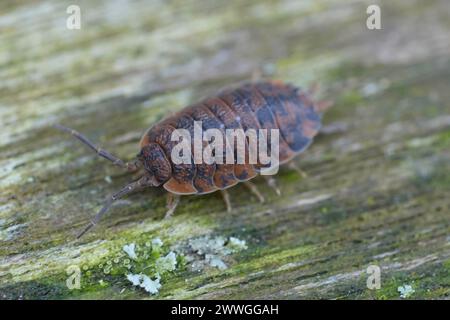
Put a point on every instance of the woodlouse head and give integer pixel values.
(157, 166)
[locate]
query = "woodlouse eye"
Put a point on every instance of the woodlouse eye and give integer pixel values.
(156, 163)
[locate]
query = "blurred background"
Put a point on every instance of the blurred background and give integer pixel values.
(378, 176)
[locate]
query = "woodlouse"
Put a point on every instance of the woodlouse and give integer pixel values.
(256, 105)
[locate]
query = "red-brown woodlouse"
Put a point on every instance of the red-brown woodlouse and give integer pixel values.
(256, 105)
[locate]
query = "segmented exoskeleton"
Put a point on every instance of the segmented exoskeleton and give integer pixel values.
(260, 105)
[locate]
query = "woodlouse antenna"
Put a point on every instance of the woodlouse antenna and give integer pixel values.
(133, 166)
(120, 194)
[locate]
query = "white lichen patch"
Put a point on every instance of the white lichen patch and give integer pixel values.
(206, 244)
(236, 244)
(215, 261)
(405, 291)
(151, 286)
(143, 281)
(157, 242)
(167, 263)
(143, 264)
(135, 279)
(209, 251)
(130, 250)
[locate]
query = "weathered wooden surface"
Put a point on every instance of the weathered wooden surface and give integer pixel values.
(378, 183)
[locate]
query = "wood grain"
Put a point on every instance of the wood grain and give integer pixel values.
(378, 183)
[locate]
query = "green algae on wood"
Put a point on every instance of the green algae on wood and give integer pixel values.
(378, 175)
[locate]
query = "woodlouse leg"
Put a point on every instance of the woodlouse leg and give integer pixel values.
(293, 166)
(226, 199)
(272, 182)
(172, 202)
(252, 187)
(130, 166)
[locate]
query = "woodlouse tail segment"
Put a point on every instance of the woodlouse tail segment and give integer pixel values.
(120, 194)
(130, 166)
